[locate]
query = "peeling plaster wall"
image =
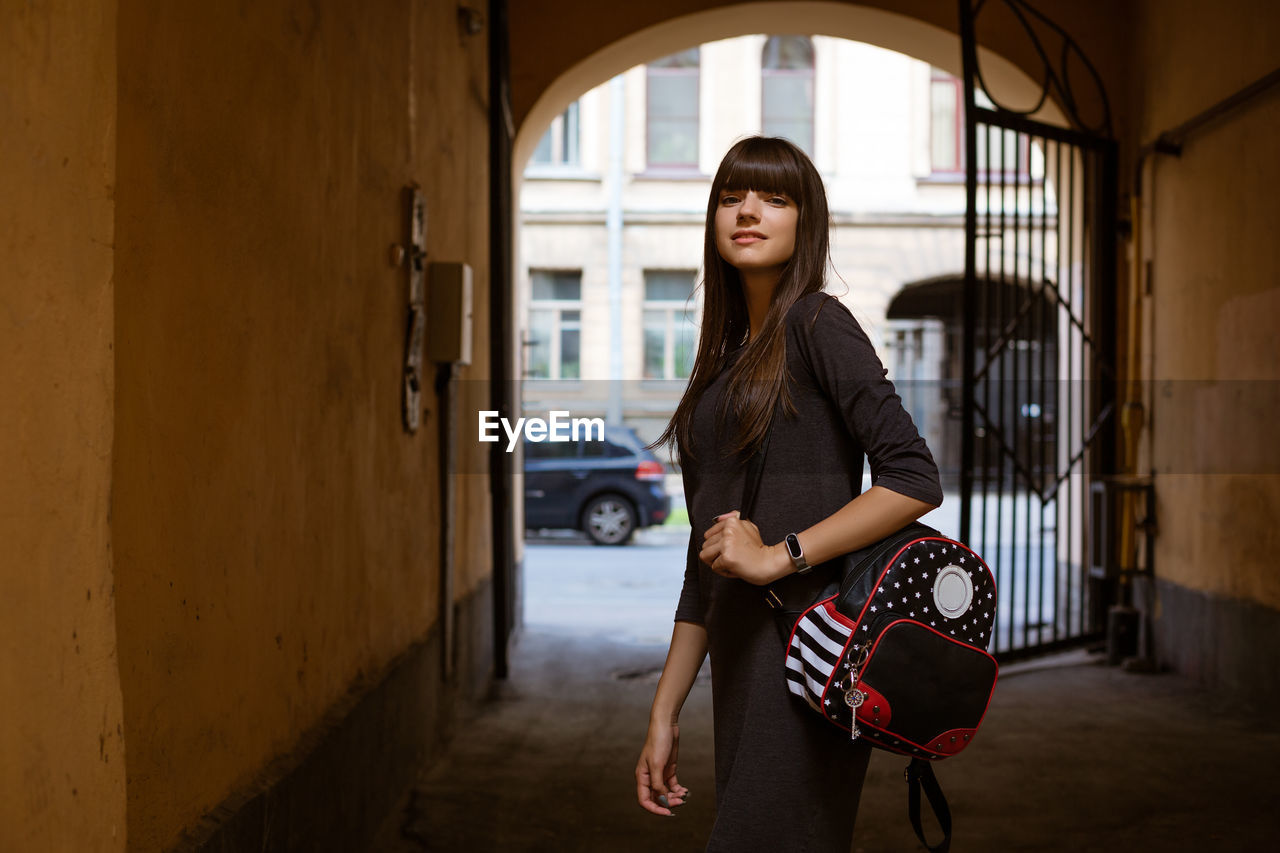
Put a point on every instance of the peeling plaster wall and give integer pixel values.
(62, 756)
(277, 532)
(1211, 219)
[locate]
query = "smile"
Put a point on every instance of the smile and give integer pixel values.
(745, 237)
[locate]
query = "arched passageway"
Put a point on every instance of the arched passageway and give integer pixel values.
(864, 25)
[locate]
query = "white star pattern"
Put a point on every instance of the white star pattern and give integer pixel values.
(926, 554)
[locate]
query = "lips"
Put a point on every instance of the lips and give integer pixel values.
(746, 236)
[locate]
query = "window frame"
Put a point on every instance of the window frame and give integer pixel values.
(694, 71)
(555, 357)
(671, 308)
(1022, 174)
(565, 137)
(810, 72)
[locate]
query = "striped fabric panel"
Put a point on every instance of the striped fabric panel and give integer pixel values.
(817, 646)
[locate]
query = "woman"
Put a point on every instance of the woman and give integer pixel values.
(776, 355)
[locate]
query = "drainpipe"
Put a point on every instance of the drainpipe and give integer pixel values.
(613, 227)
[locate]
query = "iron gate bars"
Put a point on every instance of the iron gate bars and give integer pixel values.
(1039, 343)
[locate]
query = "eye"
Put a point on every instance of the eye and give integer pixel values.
(779, 200)
(728, 198)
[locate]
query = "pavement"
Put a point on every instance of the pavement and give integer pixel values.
(1073, 755)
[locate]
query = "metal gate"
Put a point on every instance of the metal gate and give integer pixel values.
(1039, 344)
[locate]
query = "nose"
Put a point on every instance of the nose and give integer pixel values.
(750, 208)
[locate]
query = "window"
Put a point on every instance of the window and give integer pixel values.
(669, 329)
(559, 145)
(672, 84)
(946, 125)
(946, 134)
(786, 78)
(555, 325)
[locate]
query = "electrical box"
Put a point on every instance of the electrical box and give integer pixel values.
(449, 314)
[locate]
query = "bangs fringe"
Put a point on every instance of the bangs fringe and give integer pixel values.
(762, 164)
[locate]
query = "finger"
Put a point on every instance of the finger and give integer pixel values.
(708, 555)
(650, 805)
(644, 794)
(733, 513)
(671, 801)
(721, 567)
(675, 789)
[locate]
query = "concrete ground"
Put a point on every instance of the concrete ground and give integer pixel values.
(1073, 756)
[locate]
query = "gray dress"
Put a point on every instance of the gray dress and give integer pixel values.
(786, 780)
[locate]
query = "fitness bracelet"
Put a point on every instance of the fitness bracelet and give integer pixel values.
(797, 554)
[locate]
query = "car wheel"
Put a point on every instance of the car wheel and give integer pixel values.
(609, 520)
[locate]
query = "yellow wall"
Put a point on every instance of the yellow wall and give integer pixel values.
(1210, 222)
(62, 760)
(275, 529)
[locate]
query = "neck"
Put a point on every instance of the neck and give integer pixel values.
(757, 288)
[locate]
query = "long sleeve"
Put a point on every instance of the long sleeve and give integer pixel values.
(844, 365)
(689, 608)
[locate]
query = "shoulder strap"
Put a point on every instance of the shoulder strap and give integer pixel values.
(750, 489)
(919, 774)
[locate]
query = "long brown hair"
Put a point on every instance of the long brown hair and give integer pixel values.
(757, 378)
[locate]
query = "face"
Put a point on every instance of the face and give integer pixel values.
(756, 231)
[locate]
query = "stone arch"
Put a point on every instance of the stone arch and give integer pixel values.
(889, 30)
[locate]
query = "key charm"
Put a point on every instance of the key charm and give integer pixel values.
(853, 697)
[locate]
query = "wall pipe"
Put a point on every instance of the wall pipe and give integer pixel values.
(1134, 411)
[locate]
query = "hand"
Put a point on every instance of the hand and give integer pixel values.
(656, 771)
(733, 548)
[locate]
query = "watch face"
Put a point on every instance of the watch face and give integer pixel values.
(793, 546)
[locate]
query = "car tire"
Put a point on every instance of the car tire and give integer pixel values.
(609, 519)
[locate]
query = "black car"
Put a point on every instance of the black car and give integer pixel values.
(607, 489)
